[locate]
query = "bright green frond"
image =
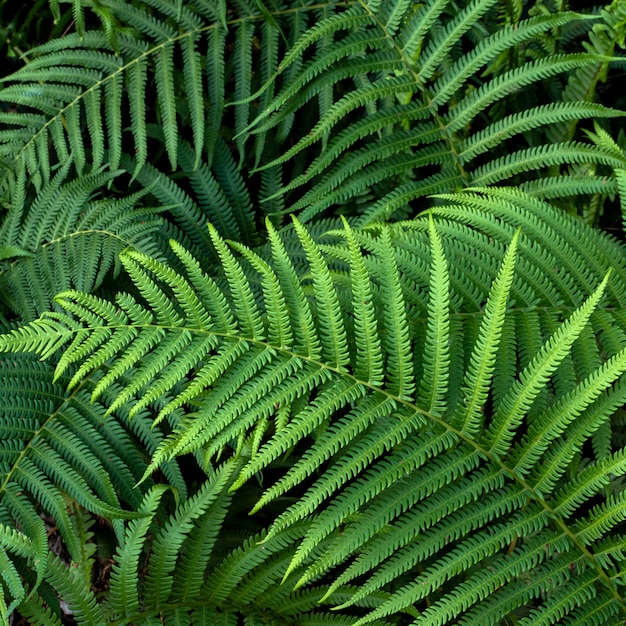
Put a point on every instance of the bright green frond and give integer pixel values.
(436, 359)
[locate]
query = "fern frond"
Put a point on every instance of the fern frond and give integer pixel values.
(58, 453)
(434, 385)
(391, 483)
(482, 361)
(97, 81)
(349, 420)
(393, 54)
(75, 247)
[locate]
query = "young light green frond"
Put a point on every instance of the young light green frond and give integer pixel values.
(553, 422)
(332, 331)
(369, 359)
(145, 272)
(331, 442)
(248, 391)
(207, 291)
(256, 402)
(482, 362)
(601, 520)
(436, 356)
(385, 434)
(479, 546)
(400, 533)
(588, 483)
(43, 336)
(206, 376)
(325, 405)
(562, 451)
(279, 329)
(382, 473)
(533, 377)
(400, 377)
(247, 311)
(395, 512)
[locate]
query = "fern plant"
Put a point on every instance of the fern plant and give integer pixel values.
(402, 404)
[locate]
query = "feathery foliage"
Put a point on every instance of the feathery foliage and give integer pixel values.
(319, 342)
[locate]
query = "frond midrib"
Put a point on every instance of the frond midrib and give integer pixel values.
(79, 233)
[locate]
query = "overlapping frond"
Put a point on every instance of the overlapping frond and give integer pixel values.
(89, 97)
(408, 479)
(59, 458)
(329, 420)
(413, 109)
(190, 579)
(67, 237)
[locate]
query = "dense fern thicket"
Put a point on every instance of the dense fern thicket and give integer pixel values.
(306, 316)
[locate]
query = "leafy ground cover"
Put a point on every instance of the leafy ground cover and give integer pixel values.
(312, 312)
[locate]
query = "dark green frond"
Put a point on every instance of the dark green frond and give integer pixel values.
(412, 106)
(68, 238)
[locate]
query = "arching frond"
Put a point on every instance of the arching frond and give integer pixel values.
(60, 456)
(410, 484)
(85, 98)
(412, 108)
(401, 404)
(68, 238)
(186, 546)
